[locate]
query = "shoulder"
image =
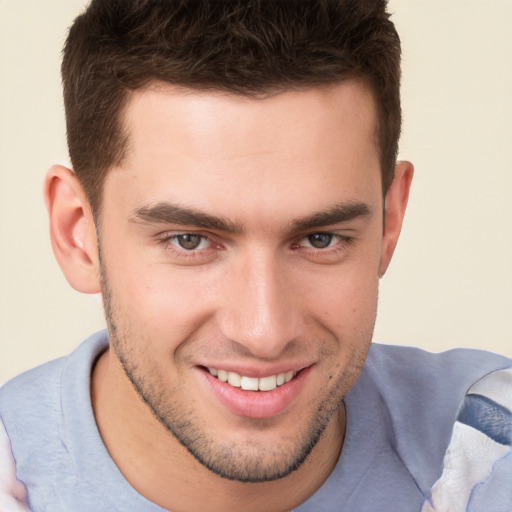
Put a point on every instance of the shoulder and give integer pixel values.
(35, 395)
(424, 393)
(33, 419)
(29, 407)
(421, 379)
(13, 495)
(415, 363)
(38, 389)
(477, 468)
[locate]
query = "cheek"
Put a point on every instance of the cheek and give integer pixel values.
(345, 297)
(154, 298)
(350, 306)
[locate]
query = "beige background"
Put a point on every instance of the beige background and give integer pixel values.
(451, 281)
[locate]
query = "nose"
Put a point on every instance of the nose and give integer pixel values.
(261, 307)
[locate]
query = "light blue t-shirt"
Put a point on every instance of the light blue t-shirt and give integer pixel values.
(407, 415)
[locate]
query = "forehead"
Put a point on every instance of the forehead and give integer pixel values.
(206, 148)
(219, 121)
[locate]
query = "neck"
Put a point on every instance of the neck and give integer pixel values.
(158, 467)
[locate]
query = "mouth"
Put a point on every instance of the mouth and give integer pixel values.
(254, 397)
(236, 380)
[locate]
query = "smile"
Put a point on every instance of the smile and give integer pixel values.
(252, 383)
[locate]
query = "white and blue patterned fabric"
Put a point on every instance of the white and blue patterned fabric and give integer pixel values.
(477, 467)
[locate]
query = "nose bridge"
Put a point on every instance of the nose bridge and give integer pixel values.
(262, 313)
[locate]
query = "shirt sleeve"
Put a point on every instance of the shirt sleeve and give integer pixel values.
(13, 495)
(477, 471)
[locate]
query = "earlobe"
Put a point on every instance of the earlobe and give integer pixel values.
(72, 229)
(396, 200)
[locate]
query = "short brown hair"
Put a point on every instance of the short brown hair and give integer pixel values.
(248, 47)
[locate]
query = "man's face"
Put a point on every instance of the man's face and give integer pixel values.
(241, 240)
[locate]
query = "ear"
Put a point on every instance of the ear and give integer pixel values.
(394, 210)
(72, 229)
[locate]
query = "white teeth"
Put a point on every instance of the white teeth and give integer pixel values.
(267, 383)
(234, 379)
(288, 376)
(249, 383)
(253, 383)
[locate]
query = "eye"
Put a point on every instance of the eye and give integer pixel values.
(319, 240)
(323, 247)
(189, 248)
(190, 241)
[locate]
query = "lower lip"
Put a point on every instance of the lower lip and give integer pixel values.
(257, 404)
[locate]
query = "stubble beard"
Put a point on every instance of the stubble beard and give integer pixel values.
(243, 462)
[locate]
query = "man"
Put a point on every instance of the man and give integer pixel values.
(235, 197)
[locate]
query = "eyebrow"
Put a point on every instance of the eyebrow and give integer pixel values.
(343, 212)
(168, 213)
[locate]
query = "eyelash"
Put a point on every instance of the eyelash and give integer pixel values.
(166, 240)
(333, 237)
(329, 254)
(170, 243)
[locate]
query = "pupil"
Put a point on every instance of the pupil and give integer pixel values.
(320, 240)
(189, 241)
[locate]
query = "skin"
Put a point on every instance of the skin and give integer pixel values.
(261, 177)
